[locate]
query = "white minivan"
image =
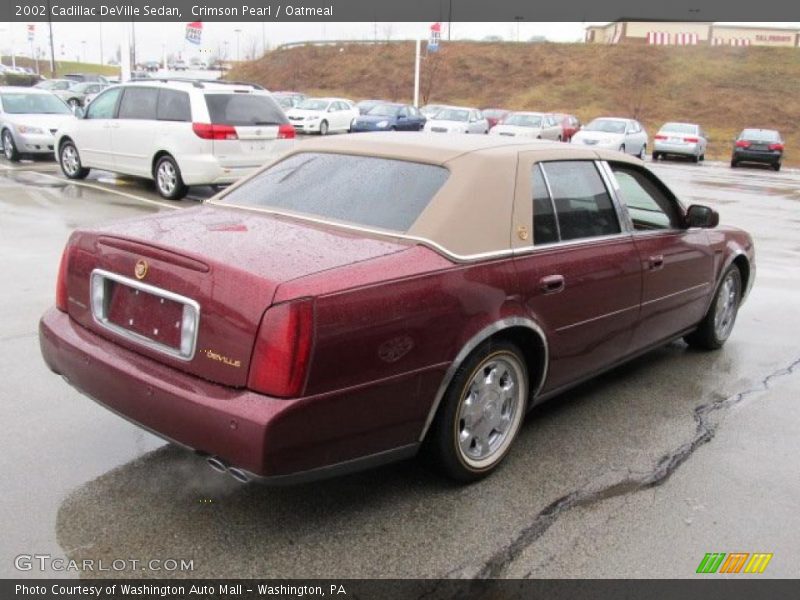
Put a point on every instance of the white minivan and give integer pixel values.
(178, 133)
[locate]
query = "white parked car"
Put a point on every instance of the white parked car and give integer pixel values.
(456, 119)
(323, 115)
(177, 133)
(680, 139)
(530, 125)
(29, 119)
(625, 135)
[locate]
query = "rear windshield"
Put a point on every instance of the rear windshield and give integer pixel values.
(606, 126)
(244, 109)
(760, 134)
(680, 128)
(452, 114)
(362, 190)
(522, 120)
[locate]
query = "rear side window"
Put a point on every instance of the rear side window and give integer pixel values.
(173, 106)
(545, 230)
(362, 190)
(138, 103)
(244, 109)
(583, 207)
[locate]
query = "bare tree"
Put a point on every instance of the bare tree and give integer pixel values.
(434, 65)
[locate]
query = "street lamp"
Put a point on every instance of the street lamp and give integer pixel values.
(238, 33)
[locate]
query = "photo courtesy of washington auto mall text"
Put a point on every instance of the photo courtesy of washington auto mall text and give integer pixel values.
(441, 299)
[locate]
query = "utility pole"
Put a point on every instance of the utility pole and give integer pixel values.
(52, 47)
(416, 73)
(101, 42)
(238, 33)
(449, 19)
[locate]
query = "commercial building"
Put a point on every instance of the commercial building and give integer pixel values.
(690, 34)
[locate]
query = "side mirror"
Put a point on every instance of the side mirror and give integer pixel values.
(701, 216)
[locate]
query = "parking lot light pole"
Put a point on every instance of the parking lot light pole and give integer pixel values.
(238, 35)
(416, 74)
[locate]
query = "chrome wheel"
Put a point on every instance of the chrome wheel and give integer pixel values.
(73, 103)
(70, 160)
(726, 306)
(167, 177)
(323, 128)
(490, 410)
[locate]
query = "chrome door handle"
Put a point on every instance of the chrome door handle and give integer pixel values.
(552, 284)
(656, 262)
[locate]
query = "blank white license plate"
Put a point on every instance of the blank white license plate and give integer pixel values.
(256, 146)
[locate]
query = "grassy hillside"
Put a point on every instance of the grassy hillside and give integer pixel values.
(64, 66)
(723, 88)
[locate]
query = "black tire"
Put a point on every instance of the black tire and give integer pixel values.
(449, 430)
(323, 128)
(655, 156)
(69, 159)
(643, 152)
(710, 335)
(777, 166)
(703, 157)
(622, 148)
(734, 164)
(74, 103)
(169, 182)
(9, 147)
(695, 159)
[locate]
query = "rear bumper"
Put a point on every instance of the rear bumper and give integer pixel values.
(771, 157)
(274, 440)
(677, 149)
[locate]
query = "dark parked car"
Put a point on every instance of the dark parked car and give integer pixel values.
(763, 146)
(495, 115)
(364, 106)
(390, 117)
(366, 294)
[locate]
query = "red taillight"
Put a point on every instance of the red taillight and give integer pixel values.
(61, 283)
(286, 131)
(691, 140)
(776, 147)
(209, 131)
(283, 350)
(661, 137)
(742, 144)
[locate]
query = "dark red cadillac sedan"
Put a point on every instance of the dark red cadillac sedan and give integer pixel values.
(365, 296)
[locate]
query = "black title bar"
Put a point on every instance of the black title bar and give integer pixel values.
(397, 10)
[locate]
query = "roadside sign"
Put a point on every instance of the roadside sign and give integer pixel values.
(31, 32)
(194, 32)
(435, 37)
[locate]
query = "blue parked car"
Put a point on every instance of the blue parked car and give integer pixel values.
(390, 117)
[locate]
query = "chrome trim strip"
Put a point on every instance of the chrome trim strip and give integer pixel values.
(672, 295)
(98, 278)
(473, 343)
(603, 316)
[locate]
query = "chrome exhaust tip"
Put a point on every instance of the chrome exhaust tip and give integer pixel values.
(238, 475)
(217, 464)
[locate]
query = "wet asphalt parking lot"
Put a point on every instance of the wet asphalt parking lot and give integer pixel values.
(637, 473)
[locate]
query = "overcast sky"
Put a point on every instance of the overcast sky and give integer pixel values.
(153, 38)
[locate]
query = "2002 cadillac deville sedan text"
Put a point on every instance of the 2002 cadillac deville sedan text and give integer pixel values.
(366, 296)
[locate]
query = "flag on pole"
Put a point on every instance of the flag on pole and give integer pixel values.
(194, 32)
(435, 36)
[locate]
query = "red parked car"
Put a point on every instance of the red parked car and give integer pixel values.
(495, 115)
(365, 296)
(570, 124)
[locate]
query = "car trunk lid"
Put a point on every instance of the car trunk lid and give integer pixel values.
(190, 288)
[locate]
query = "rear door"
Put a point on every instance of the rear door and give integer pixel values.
(677, 263)
(256, 120)
(581, 278)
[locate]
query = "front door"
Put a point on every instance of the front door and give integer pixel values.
(93, 135)
(677, 263)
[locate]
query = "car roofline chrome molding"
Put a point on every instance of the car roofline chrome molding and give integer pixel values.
(473, 343)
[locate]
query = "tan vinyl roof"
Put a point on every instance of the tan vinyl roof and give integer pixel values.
(473, 211)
